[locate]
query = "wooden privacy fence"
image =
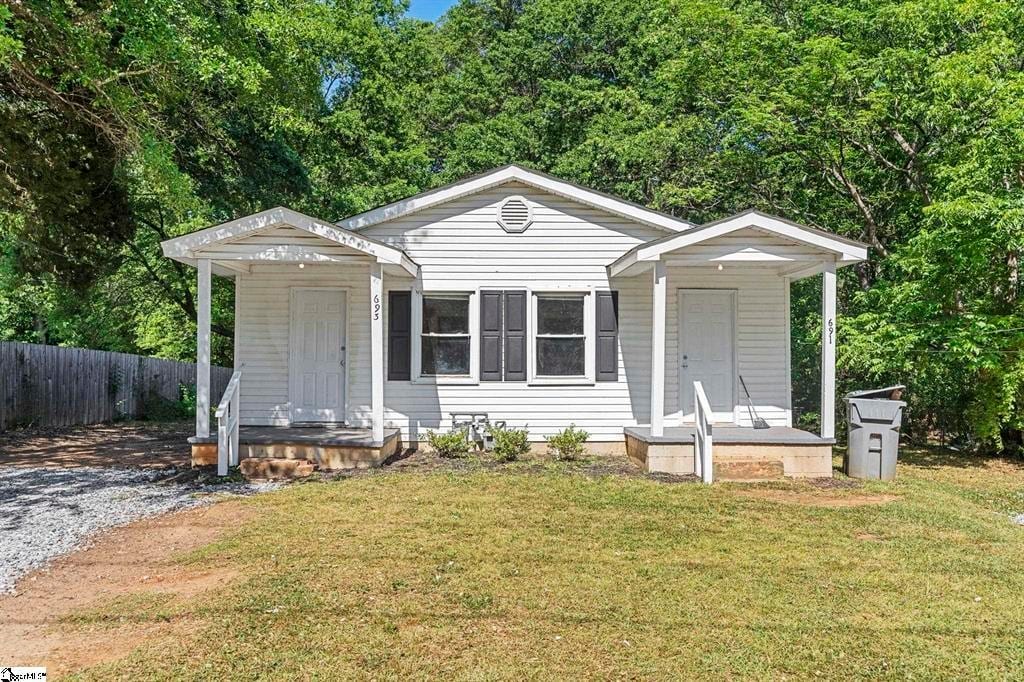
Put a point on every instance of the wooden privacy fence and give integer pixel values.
(56, 386)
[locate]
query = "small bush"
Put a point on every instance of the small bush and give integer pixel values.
(568, 443)
(451, 444)
(157, 408)
(510, 443)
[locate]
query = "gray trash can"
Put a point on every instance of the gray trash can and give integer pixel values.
(873, 420)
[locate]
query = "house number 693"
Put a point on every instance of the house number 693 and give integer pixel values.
(376, 306)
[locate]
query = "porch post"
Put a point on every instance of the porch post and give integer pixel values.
(377, 350)
(203, 349)
(658, 352)
(828, 351)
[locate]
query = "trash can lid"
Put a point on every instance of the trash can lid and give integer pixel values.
(874, 410)
(883, 393)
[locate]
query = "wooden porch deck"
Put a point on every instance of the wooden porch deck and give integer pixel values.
(328, 447)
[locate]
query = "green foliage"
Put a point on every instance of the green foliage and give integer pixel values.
(451, 444)
(123, 124)
(568, 443)
(158, 408)
(509, 444)
(896, 122)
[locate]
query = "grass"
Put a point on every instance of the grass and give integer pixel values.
(547, 574)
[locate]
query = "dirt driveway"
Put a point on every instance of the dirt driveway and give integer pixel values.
(134, 561)
(146, 445)
(65, 497)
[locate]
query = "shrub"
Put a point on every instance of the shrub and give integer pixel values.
(509, 443)
(451, 444)
(157, 408)
(568, 443)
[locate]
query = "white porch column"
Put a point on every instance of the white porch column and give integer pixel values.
(377, 350)
(658, 352)
(828, 351)
(203, 349)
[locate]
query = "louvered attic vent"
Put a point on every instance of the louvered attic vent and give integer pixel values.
(514, 214)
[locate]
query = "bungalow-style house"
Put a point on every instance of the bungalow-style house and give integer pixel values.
(524, 297)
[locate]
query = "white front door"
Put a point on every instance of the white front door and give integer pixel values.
(317, 355)
(707, 350)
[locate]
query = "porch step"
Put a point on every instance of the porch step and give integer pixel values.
(328, 448)
(274, 469)
(749, 470)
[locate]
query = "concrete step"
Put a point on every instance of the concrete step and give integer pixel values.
(275, 469)
(748, 470)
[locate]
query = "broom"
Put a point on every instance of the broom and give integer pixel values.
(757, 421)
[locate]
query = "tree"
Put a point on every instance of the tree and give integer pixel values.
(896, 122)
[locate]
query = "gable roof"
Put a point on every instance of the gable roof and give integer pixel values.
(846, 251)
(513, 173)
(185, 248)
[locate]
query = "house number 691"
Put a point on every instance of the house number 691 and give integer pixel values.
(376, 306)
(831, 326)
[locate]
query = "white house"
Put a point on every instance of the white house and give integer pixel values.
(523, 296)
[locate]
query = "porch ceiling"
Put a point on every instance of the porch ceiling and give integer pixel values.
(281, 235)
(749, 239)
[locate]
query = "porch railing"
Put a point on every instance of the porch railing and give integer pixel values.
(703, 440)
(227, 425)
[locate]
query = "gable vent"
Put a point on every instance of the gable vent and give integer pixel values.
(514, 214)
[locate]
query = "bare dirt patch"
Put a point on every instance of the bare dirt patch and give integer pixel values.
(127, 444)
(816, 499)
(869, 537)
(134, 561)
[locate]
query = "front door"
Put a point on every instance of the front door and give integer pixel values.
(317, 355)
(707, 350)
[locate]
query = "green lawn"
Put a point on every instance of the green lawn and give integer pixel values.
(527, 572)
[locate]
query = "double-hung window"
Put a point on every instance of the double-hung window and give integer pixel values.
(560, 347)
(445, 337)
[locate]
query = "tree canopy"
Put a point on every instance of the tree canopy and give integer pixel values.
(897, 122)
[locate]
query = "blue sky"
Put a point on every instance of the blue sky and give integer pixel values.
(429, 9)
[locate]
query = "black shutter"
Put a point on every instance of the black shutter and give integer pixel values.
(399, 334)
(490, 336)
(607, 335)
(515, 336)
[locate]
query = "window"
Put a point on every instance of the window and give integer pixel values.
(561, 346)
(445, 337)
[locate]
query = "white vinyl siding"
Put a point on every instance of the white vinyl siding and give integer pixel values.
(761, 339)
(262, 329)
(460, 245)
(461, 248)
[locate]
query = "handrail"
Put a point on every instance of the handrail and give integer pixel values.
(703, 438)
(227, 425)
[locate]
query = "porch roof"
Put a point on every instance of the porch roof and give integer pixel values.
(817, 247)
(190, 247)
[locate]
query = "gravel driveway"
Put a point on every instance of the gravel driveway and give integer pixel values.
(46, 512)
